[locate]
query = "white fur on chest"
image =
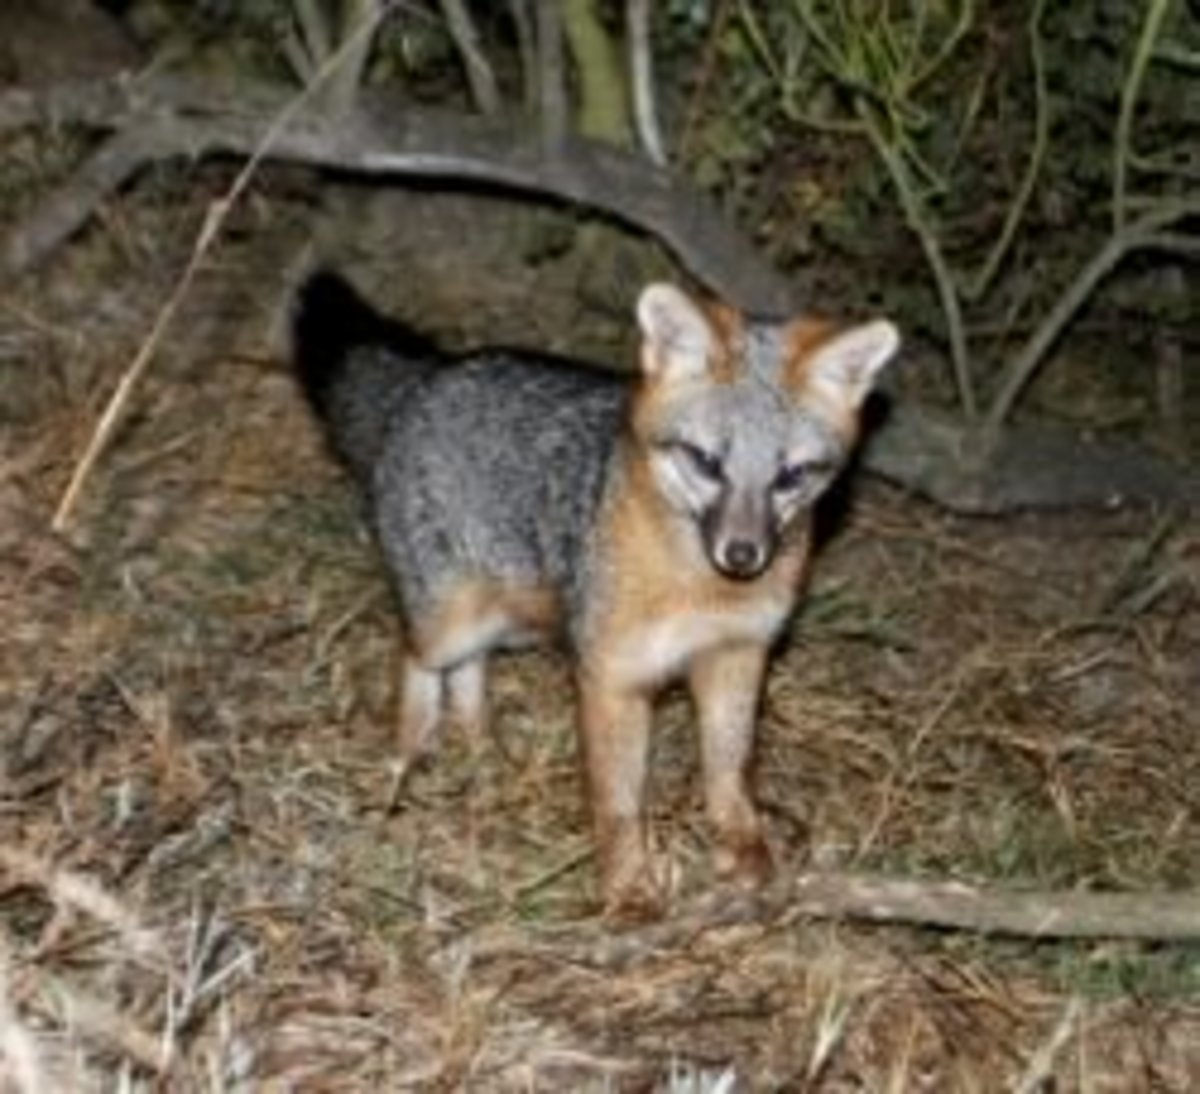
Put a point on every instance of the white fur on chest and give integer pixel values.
(663, 648)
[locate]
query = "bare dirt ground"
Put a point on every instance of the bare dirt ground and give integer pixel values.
(202, 889)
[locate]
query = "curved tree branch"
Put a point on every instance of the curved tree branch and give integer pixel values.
(164, 118)
(382, 137)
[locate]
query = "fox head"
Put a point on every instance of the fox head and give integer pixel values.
(745, 423)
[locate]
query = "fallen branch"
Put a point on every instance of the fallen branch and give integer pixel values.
(1173, 917)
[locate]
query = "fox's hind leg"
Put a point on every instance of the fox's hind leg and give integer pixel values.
(421, 693)
(421, 697)
(726, 684)
(426, 692)
(466, 684)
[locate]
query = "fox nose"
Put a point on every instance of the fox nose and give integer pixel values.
(741, 558)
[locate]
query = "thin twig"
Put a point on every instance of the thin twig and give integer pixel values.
(939, 266)
(522, 20)
(552, 77)
(1178, 56)
(295, 52)
(215, 217)
(480, 77)
(1041, 138)
(962, 27)
(547, 877)
(1181, 162)
(641, 70)
(1038, 1075)
(312, 24)
(340, 91)
(1179, 243)
(867, 61)
(709, 59)
(1145, 232)
(1143, 54)
(115, 408)
(970, 114)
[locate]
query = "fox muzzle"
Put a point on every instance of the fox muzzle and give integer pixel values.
(740, 536)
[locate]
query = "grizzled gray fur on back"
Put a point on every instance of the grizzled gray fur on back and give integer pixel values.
(490, 463)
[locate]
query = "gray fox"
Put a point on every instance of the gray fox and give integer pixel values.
(659, 522)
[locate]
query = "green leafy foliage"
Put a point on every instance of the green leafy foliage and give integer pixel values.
(993, 125)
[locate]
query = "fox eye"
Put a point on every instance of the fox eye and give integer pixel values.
(790, 478)
(708, 464)
(795, 475)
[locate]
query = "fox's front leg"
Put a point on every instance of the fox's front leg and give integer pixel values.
(726, 686)
(615, 728)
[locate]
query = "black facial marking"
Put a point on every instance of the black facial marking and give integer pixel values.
(795, 476)
(707, 464)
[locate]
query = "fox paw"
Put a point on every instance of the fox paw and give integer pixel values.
(635, 898)
(747, 863)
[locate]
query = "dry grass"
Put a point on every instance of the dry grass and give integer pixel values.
(200, 888)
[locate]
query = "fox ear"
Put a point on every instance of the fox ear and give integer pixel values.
(846, 365)
(677, 339)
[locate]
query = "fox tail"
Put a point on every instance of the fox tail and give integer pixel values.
(353, 364)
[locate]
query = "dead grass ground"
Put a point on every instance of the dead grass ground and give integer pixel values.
(195, 729)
